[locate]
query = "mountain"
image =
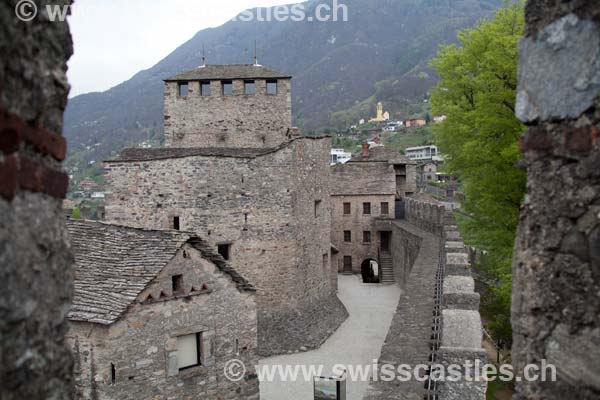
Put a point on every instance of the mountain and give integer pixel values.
(340, 69)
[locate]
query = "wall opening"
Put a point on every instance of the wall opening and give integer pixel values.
(205, 88)
(227, 88)
(272, 87)
(188, 350)
(347, 208)
(183, 89)
(177, 283)
(224, 250)
(347, 264)
(113, 374)
(249, 87)
(369, 270)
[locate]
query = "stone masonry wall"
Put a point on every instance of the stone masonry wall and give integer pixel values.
(240, 120)
(556, 267)
(142, 345)
(273, 210)
(35, 261)
(439, 297)
(357, 222)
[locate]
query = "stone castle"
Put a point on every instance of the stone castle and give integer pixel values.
(235, 172)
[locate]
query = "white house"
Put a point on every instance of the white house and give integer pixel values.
(424, 153)
(339, 156)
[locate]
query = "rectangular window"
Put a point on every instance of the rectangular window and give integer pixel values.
(347, 209)
(366, 236)
(113, 374)
(366, 208)
(227, 87)
(183, 89)
(177, 283)
(272, 87)
(347, 263)
(205, 88)
(176, 225)
(249, 87)
(385, 208)
(188, 350)
(347, 236)
(224, 250)
(317, 207)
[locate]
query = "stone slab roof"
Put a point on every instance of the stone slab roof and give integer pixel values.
(228, 71)
(163, 153)
(113, 264)
(382, 154)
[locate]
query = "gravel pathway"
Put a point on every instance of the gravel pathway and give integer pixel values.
(358, 341)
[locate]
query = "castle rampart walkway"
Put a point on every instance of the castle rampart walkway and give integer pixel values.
(408, 339)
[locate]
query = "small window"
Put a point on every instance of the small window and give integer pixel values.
(188, 350)
(317, 207)
(385, 208)
(249, 87)
(347, 236)
(205, 88)
(224, 250)
(113, 374)
(176, 224)
(366, 236)
(272, 87)
(366, 208)
(325, 260)
(347, 263)
(347, 209)
(227, 87)
(183, 89)
(177, 283)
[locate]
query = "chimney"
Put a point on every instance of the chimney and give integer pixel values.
(365, 149)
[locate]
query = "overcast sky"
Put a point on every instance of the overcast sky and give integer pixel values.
(114, 39)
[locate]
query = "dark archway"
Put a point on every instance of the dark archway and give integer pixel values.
(369, 270)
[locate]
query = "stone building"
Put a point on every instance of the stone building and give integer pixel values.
(35, 260)
(366, 194)
(265, 209)
(157, 314)
(227, 106)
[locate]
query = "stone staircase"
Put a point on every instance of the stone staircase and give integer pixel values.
(386, 269)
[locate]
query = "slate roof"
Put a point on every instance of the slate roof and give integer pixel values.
(113, 264)
(381, 153)
(163, 153)
(228, 71)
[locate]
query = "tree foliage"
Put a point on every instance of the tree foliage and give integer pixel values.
(477, 94)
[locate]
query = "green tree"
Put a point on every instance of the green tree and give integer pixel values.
(479, 138)
(76, 213)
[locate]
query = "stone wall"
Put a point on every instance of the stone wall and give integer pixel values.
(405, 250)
(428, 216)
(438, 316)
(142, 344)
(35, 261)
(272, 208)
(358, 183)
(357, 222)
(461, 327)
(556, 279)
(239, 120)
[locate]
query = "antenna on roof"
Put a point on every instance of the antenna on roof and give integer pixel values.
(203, 57)
(255, 57)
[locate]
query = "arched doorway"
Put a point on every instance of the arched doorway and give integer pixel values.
(369, 270)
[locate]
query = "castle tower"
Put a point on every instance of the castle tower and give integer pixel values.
(238, 105)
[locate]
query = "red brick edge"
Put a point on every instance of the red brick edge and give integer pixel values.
(19, 171)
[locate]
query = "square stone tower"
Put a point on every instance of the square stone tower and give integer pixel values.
(234, 106)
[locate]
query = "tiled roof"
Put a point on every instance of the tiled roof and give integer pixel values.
(113, 264)
(229, 71)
